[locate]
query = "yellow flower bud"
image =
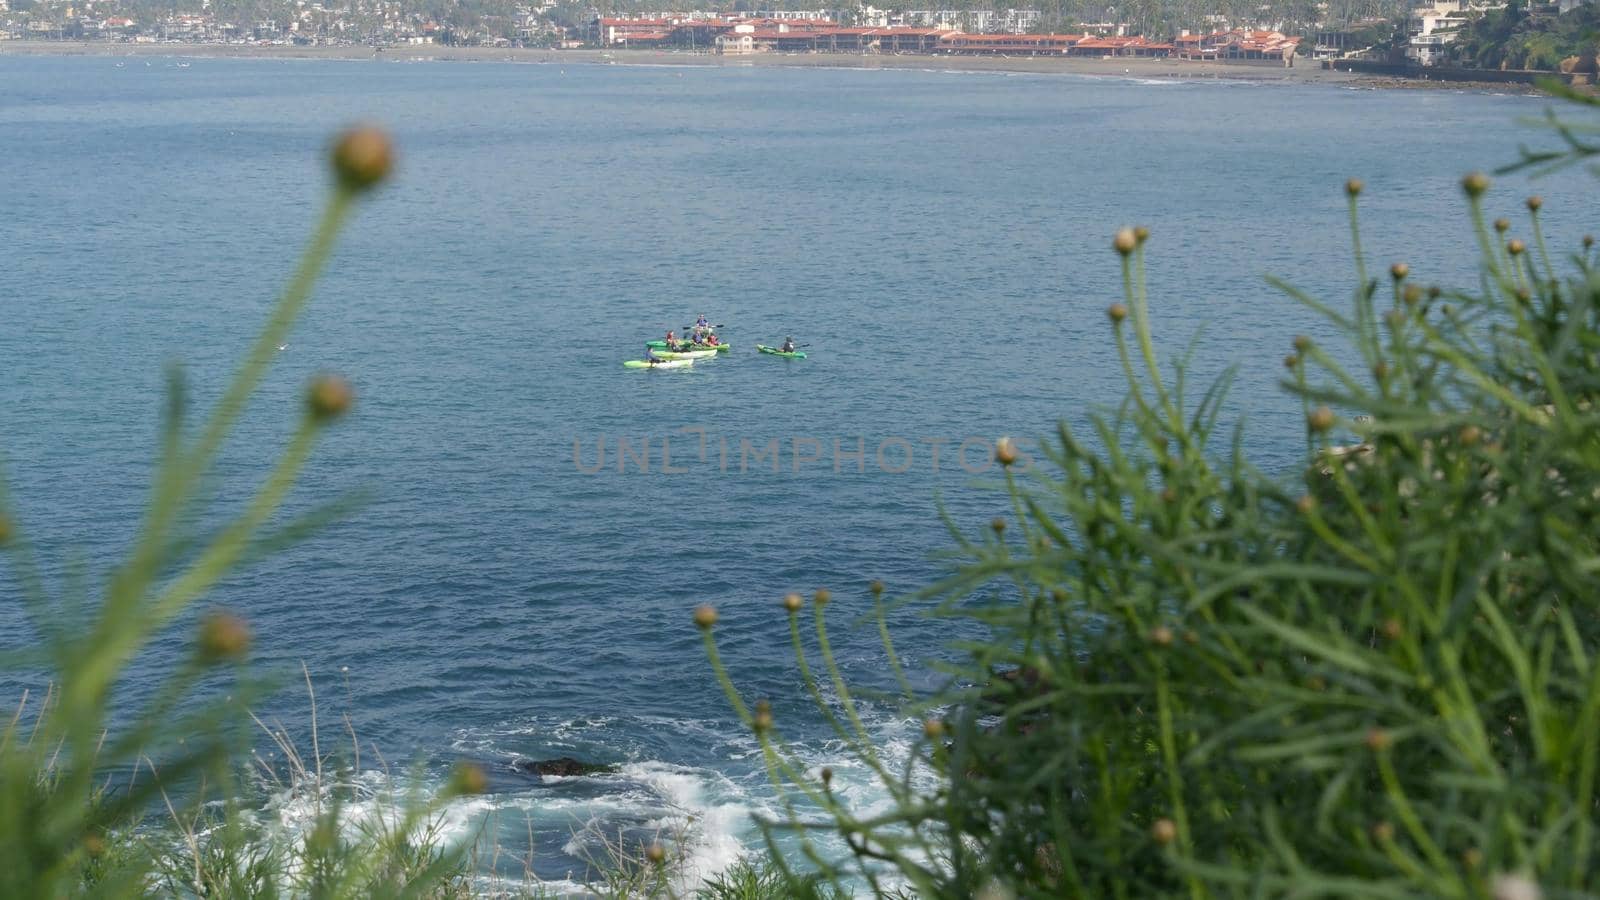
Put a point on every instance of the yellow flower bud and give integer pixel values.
(467, 780)
(1005, 451)
(1320, 419)
(362, 158)
(1164, 831)
(1125, 241)
(223, 637)
(1379, 740)
(329, 397)
(705, 616)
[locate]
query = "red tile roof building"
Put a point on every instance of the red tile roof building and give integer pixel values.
(1009, 44)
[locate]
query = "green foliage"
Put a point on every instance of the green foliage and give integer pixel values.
(79, 781)
(1377, 678)
(1513, 38)
(763, 880)
(1578, 141)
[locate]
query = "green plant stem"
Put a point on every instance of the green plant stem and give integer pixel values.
(1172, 765)
(174, 483)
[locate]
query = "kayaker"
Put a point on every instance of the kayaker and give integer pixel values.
(650, 355)
(696, 338)
(788, 345)
(672, 340)
(711, 340)
(702, 322)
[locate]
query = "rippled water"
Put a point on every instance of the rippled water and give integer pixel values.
(940, 239)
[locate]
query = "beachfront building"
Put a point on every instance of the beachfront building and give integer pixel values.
(1009, 44)
(1434, 27)
(1095, 47)
(1269, 47)
(1238, 46)
(610, 32)
(736, 42)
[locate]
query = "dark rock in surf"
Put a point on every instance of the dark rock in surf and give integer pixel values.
(562, 766)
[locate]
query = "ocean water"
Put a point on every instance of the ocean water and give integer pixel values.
(940, 239)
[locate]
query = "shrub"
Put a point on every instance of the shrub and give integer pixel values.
(1375, 678)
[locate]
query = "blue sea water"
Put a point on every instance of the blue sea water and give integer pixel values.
(941, 240)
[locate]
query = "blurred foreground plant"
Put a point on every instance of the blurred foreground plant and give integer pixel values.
(77, 775)
(1381, 679)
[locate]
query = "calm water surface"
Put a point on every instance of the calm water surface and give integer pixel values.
(496, 600)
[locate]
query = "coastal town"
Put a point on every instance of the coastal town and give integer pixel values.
(1387, 39)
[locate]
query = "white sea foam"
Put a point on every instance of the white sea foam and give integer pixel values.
(707, 812)
(712, 811)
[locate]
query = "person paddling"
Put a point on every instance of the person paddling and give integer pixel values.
(702, 323)
(788, 345)
(650, 355)
(672, 340)
(712, 340)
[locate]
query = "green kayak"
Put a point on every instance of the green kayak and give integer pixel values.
(798, 354)
(664, 364)
(662, 345)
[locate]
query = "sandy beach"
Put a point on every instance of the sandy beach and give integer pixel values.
(1304, 72)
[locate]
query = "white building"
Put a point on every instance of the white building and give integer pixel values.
(1437, 25)
(871, 17)
(1020, 21)
(736, 43)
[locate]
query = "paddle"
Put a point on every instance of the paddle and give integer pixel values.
(687, 327)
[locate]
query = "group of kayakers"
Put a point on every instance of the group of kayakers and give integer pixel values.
(702, 336)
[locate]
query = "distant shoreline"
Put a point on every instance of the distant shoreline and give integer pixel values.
(1305, 72)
